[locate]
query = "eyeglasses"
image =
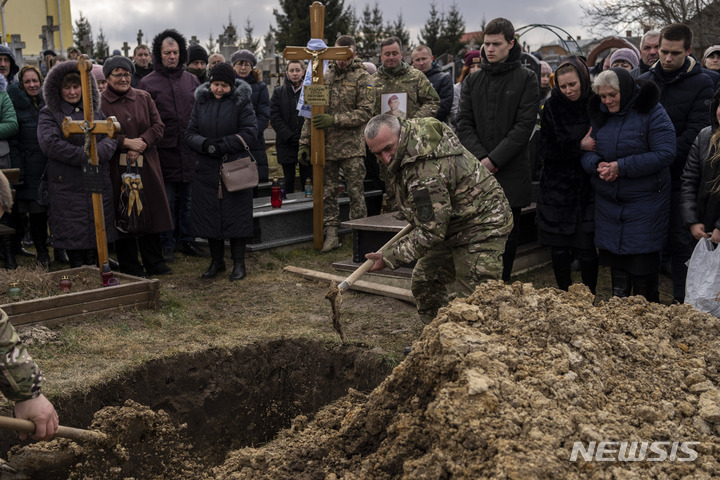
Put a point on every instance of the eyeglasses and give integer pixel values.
(117, 76)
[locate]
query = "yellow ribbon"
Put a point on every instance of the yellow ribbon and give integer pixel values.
(132, 186)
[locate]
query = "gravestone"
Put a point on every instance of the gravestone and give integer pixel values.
(86, 44)
(194, 40)
(126, 49)
(139, 36)
(48, 34)
(17, 45)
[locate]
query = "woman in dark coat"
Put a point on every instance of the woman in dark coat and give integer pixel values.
(25, 153)
(288, 125)
(243, 62)
(141, 130)
(566, 199)
(72, 223)
(635, 145)
(700, 188)
(222, 113)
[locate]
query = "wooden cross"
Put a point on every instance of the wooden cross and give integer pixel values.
(317, 136)
(194, 40)
(125, 48)
(139, 36)
(16, 45)
(91, 172)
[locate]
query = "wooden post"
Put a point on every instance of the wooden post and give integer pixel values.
(317, 136)
(90, 128)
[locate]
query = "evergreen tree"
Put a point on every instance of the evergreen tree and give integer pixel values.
(83, 31)
(211, 45)
(250, 43)
(452, 31)
(430, 34)
(102, 49)
(371, 32)
(397, 29)
(293, 22)
(230, 32)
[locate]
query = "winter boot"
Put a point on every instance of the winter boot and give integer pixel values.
(621, 282)
(331, 239)
(61, 256)
(237, 250)
(217, 252)
(561, 260)
(8, 249)
(647, 286)
(75, 257)
(37, 229)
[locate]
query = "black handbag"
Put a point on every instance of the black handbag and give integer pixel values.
(131, 216)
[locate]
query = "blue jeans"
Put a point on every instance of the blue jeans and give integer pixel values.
(182, 191)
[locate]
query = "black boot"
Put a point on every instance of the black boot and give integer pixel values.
(647, 286)
(237, 250)
(621, 282)
(217, 252)
(75, 258)
(61, 256)
(8, 249)
(588, 267)
(38, 234)
(561, 260)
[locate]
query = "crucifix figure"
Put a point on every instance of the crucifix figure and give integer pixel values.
(125, 48)
(139, 37)
(317, 136)
(17, 45)
(91, 171)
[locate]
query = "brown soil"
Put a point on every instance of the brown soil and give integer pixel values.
(501, 384)
(35, 283)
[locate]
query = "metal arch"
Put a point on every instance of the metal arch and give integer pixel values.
(552, 29)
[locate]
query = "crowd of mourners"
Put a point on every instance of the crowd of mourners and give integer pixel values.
(626, 149)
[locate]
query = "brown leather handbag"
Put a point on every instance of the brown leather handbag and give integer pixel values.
(240, 174)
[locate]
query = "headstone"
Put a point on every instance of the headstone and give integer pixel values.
(126, 49)
(530, 61)
(194, 40)
(48, 34)
(17, 45)
(139, 36)
(86, 44)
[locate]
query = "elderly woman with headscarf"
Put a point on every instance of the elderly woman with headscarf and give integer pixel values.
(243, 62)
(635, 145)
(141, 130)
(72, 222)
(566, 199)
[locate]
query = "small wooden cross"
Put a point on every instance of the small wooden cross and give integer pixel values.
(16, 45)
(91, 173)
(139, 36)
(194, 40)
(125, 48)
(317, 136)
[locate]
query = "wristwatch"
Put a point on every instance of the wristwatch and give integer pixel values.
(212, 149)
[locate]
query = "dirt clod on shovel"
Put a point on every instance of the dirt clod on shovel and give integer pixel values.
(335, 296)
(143, 445)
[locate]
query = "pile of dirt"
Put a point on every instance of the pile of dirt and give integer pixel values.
(504, 383)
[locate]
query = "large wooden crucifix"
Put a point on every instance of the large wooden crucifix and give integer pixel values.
(91, 172)
(317, 100)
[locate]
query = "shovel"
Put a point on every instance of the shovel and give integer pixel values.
(26, 426)
(334, 294)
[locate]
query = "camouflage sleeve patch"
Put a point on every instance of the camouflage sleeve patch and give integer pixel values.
(423, 204)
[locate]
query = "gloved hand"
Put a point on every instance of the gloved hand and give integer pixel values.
(304, 155)
(212, 148)
(322, 120)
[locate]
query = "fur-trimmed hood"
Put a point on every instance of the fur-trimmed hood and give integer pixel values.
(157, 49)
(51, 89)
(240, 93)
(645, 96)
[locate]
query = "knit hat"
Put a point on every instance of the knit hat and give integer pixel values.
(196, 52)
(97, 71)
(49, 52)
(222, 72)
(246, 55)
(117, 61)
(626, 54)
(710, 51)
(117, 52)
(73, 49)
(545, 67)
(472, 57)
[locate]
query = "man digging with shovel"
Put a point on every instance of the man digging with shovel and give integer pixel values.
(460, 213)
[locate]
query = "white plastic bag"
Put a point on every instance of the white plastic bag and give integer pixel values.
(702, 288)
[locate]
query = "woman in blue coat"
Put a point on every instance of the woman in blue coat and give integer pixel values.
(222, 113)
(635, 145)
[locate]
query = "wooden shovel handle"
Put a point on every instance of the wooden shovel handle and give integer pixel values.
(362, 269)
(26, 426)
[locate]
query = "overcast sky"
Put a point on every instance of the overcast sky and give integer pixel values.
(201, 18)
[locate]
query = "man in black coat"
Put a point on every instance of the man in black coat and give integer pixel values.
(498, 112)
(686, 93)
(423, 60)
(288, 125)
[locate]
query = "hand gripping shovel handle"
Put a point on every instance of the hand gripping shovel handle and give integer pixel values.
(26, 426)
(362, 270)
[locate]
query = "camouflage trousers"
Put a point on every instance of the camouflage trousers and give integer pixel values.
(447, 272)
(354, 173)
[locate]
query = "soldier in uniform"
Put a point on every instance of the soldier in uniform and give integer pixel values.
(351, 99)
(461, 216)
(21, 382)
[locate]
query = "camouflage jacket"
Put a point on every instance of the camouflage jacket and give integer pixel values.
(21, 378)
(351, 103)
(445, 192)
(422, 99)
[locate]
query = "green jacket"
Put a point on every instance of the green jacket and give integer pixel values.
(422, 99)
(21, 379)
(445, 192)
(351, 105)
